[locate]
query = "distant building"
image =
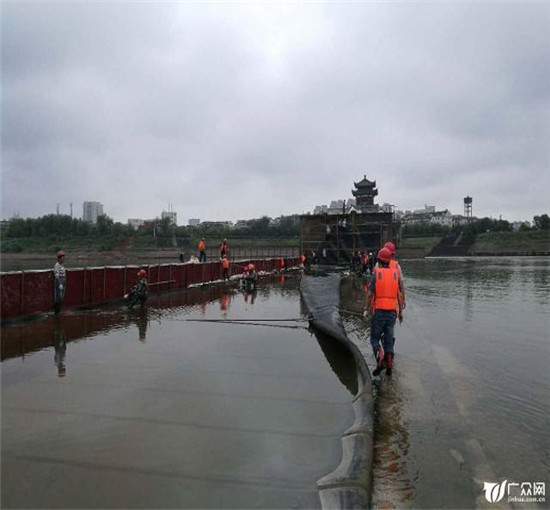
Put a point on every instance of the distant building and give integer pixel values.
(136, 223)
(91, 210)
(363, 202)
(242, 224)
(444, 218)
(428, 209)
(337, 207)
(171, 215)
(364, 193)
(459, 219)
(194, 222)
(208, 224)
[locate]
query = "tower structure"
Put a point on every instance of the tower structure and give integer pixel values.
(468, 207)
(364, 194)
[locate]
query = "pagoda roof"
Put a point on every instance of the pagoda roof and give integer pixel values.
(365, 183)
(364, 191)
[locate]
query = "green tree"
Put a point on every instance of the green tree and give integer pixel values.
(542, 222)
(104, 225)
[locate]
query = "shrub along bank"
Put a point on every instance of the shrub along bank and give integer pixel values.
(530, 242)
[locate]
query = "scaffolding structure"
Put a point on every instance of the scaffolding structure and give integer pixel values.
(335, 237)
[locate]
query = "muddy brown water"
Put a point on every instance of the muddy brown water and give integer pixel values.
(112, 408)
(469, 398)
(157, 412)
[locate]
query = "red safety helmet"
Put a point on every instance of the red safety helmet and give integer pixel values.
(384, 254)
(390, 246)
(61, 253)
(142, 273)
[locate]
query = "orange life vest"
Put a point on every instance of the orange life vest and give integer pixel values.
(201, 246)
(225, 263)
(386, 288)
(303, 258)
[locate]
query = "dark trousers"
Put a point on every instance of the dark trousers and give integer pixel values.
(382, 326)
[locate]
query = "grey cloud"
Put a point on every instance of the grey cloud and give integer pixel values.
(198, 105)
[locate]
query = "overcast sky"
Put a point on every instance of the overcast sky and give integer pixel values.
(240, 110)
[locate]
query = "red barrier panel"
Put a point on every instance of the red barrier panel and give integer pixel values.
(12, 295)
(38, 292)
(114, 284)
(97, 285)
(32, 291)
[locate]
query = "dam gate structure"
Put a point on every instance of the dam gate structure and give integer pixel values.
(338, 236)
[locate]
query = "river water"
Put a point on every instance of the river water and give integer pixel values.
(469, 398)
(467, 404)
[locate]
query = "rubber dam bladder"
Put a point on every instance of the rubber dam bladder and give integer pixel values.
(350, 484)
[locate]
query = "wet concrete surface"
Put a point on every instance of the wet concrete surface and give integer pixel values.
(146, 409)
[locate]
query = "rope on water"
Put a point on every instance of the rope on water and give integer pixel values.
(299, 319)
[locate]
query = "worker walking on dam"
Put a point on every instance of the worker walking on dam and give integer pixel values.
(224, 250)
(60, 281)
(394, 263)
(385, 303)
(201, 246)
(225, 267)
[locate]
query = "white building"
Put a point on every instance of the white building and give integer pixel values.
(444, 218)
(427, 210)
(171, 215)
(136, 223)
(194, 222)
(91, 210)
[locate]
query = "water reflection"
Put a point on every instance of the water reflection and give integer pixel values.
(340, 360)
(140, 318)
(250, 296)
(60, 347)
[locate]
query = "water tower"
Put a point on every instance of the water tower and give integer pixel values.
(468, 208)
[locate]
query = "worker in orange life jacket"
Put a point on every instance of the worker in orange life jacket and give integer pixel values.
(225, 267)
(384, 298)
(394, 264)
(224, 249)
(201, 246)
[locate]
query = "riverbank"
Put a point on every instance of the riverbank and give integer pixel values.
(79, 258)
(499, 244)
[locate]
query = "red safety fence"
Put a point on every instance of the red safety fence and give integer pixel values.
(30, 292)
